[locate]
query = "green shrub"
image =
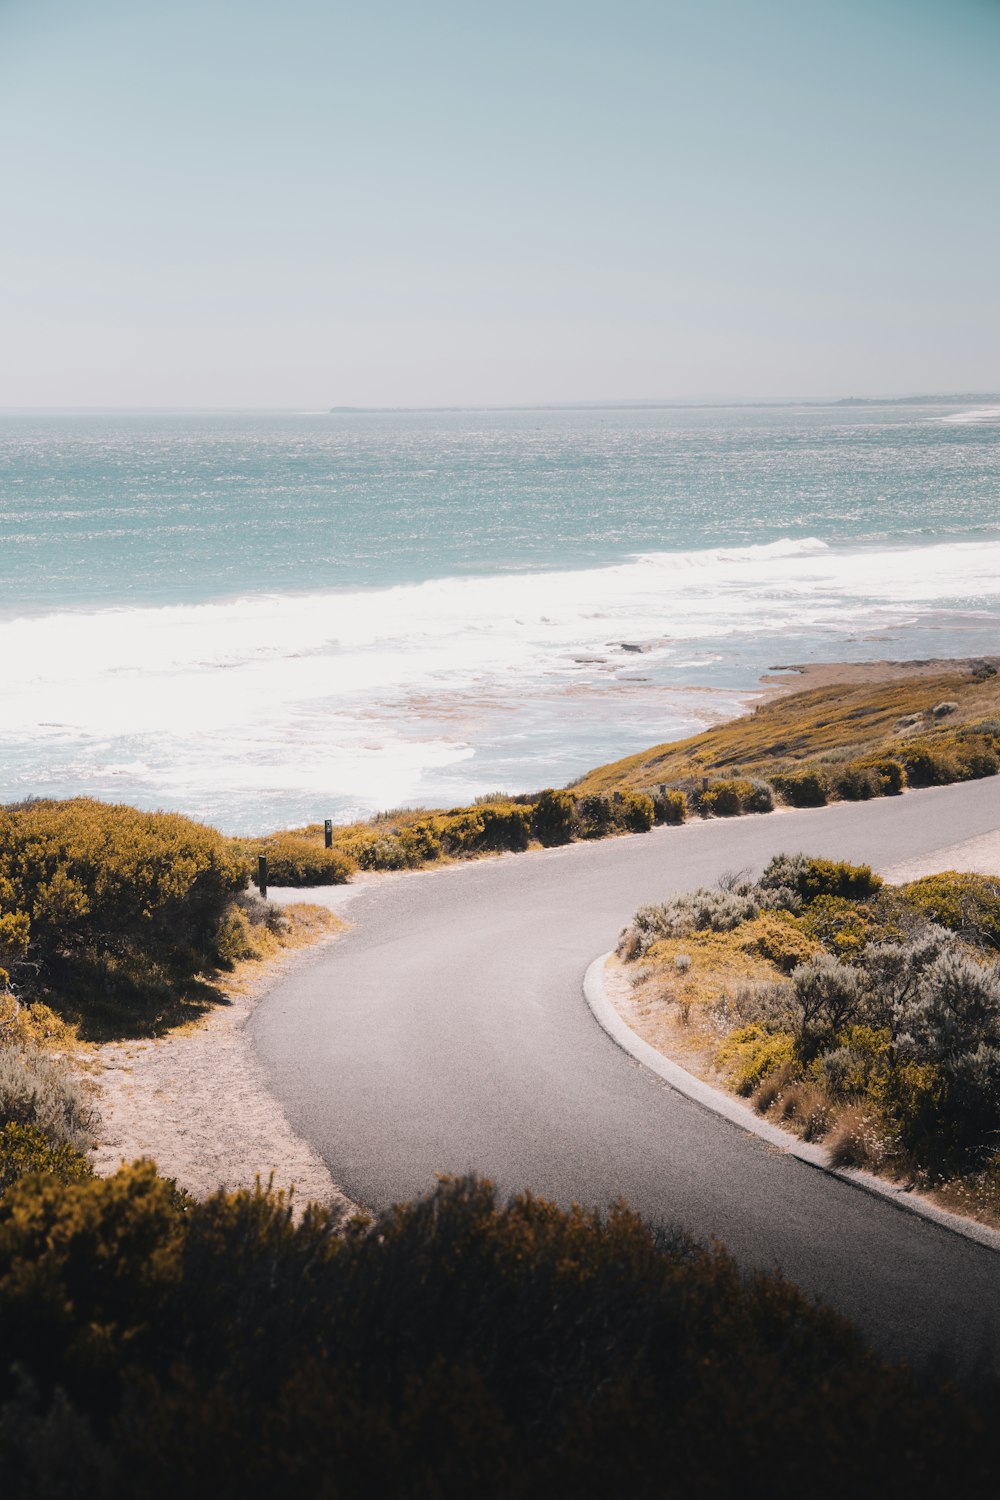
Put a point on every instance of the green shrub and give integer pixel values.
(24, 1150)
(859, 780)
(237, 938)
(750, 1053)
(486, 829)
(781, 938)
(810, 876)
(377, 851)
(595, 816)
(843, 927)
(912, 1095)
(760, 798)
(723, 799)
(977, 757)
(854, 783)
(635, 811)
(461, 1348)
(828, 996)
(552, 817)
(707, 909)
(968, 904)
(730, 799)
(106, 879)
(893, 776)
(930, 765)
(954, 1011)
(669, 806)
(806, 788)
(861, 1056)
(297, 859)
(602, 814)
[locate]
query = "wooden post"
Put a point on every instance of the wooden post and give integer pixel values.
(704, 783)
(262, 874)
(328, 833)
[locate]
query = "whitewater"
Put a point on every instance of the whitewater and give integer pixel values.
(271, 619)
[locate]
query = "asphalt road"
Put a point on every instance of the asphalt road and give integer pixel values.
(447, 1032)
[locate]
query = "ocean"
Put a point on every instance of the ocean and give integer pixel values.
(262, 619)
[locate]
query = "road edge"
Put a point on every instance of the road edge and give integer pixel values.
(726, 1106)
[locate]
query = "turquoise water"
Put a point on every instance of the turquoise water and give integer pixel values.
(165, 508)
(265, 617)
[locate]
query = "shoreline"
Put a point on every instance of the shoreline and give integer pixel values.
(820, 674)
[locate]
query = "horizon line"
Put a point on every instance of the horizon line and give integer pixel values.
(678, 404)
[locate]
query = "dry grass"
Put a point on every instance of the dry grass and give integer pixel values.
(839, 721)
(977, 1196)
(856, 1139)
(718, 962)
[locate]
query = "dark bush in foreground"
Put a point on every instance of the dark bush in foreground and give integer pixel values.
(153, 1348)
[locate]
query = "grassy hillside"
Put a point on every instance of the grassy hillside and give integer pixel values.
(882, 710)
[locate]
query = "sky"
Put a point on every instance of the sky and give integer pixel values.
(247, 203)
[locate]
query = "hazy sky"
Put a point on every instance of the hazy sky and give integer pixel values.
(295, 203)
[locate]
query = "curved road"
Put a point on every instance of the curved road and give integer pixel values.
(447, 1032)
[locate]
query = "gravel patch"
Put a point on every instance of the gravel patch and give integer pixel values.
(196, 1102)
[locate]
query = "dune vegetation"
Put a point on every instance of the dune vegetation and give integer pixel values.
(116, 919)
(860, 1014)
(412, 838)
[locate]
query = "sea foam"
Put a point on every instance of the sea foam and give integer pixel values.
(259, 709)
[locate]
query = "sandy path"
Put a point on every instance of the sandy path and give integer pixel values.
(981, 855)
(196, 1102)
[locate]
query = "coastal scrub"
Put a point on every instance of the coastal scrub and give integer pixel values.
(862, 1014)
